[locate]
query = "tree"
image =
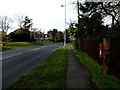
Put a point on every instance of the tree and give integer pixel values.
(5, 25)
(91, 26)
(20, 20)
(23, 33)
(59, 36)
(3, 36)
(54, 34)
(95, 13)
(19, 35)
(112, 9)
(105, 8)
(71, 29)
(27, 24)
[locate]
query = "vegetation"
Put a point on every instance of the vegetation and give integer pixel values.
(91, 25)
(27, 43)
(55, 35)
(101, 80)
(91, 17)
(50, 73)
(5, 47)
(22, 34)
(19, 35)
(5, 26)
(25, 32)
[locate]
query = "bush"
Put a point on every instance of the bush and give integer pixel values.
(20, 36)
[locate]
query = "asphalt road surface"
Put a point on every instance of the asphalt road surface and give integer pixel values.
(16, 63)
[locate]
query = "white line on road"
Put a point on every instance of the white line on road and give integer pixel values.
(12, 55)
(38, 48)
(35, 49)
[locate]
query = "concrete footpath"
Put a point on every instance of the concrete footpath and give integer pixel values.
(77, 76)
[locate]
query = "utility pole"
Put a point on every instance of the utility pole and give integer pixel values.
(78, 11)
(65, 26)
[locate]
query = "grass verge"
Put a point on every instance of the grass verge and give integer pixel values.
(101, 80)
(4, 47)
(27, 43)
(50, 73)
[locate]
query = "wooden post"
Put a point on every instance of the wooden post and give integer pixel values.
(106, 55)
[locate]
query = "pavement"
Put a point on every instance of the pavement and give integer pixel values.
(18, 62)
(77, 75)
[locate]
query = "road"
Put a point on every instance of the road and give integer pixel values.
(16, 63)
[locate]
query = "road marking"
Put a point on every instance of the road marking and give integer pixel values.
(38, 48)
(12, 55)
(35, 49)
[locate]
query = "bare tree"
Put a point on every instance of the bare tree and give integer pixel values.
(112, 9)
(19, 18)
(4, 26)
(5, 23)
(104, 8)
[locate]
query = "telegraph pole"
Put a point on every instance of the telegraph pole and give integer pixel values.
(65, 26)
(78, 11)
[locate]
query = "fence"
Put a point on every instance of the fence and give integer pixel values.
(116, 56)
(91, 47)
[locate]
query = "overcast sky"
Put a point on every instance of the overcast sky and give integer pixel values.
(46, 14)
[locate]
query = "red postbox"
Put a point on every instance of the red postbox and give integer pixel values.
(100, 50)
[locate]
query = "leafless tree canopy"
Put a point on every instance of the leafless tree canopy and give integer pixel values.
(5, 23)
(19, 18)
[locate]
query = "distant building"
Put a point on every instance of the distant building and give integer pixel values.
(39, 36)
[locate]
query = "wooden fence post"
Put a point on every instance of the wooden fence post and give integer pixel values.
(106, 55)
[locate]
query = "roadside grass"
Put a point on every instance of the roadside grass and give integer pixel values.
(27, 43)
(49, 42)
(49, 73)
(101, 80)
(22, 43)
(4, 47)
